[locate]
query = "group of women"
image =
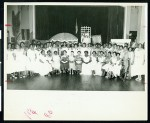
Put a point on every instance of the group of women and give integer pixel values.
(109, 60)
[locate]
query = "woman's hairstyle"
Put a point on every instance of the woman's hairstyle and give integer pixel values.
(65, 51)
(86, 52)
(79, 52)
(48, 51)
(118, 54)
(42, 51)
(55, 51)
(21, 43)
(94, 52)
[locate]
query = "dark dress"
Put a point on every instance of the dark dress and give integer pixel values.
(64, 62)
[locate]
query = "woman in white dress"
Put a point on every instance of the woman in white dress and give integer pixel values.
(31, 54)
(44, 66)
(131, 58)
(113, 63)
(56, 62)
(20, 63)
(50, 61)
(71, 63)
(10, 61)
(101, 59)
(107, 64)
(138, 67)
(117, 66)
(86, 65)
(94, 60)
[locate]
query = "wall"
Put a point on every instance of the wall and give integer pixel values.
(135, 21)
(9, 17)
(26, 17)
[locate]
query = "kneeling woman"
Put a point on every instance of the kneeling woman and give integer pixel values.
(86, 66)
(64, 62)
(44, 66)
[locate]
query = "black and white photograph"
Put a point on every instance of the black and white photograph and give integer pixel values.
(95, 48)
(63, 57)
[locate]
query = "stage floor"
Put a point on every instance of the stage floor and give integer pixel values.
(75, 82)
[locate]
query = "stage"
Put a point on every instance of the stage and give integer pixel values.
(75, 83)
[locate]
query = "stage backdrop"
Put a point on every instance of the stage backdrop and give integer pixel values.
(107, 21)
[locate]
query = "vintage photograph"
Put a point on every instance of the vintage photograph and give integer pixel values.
(76, 47)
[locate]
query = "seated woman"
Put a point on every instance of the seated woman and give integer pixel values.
(107, 64)
(64, 62)
(78, 62)
(86, 65)
(101, 59)
(113, 63)
(56, 62)
(94, 60)
(117, 66)
(44, 67)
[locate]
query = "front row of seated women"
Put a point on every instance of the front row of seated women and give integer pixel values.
(106, 62)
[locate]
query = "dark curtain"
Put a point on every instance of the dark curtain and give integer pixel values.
(115, 23)
(51, 20)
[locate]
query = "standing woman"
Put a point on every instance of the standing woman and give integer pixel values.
(25, 60)
(86, 66)
(64, 66)
(10, 61)
(32, 60)
(72, 62)
(50, 61)
(78, 62)
(137, 69)
(125, 59)
(131, 58)
(94, 60)
(20, 66)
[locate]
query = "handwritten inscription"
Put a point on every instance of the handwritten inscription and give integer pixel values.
(30, 113)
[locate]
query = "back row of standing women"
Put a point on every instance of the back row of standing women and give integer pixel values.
(104, 60)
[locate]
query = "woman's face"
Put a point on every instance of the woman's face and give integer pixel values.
(140, 45)
(65, 52)
(17, 46)
(79, 53)
(9, 46)
(94, 53)
(43, 52)
(130, 49)
(22, 45)
(85, 53)
(72, 53)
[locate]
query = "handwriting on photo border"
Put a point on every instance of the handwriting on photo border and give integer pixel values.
(30, 113)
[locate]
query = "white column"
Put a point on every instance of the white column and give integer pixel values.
(34, 31)
(125, 22)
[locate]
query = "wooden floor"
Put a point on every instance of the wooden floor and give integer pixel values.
(75, 82)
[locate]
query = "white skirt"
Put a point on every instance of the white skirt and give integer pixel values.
(137, 70)
(98, 70)
(43, 68)
(106, 67)
(56, 65)
(86, 69)
(72, 65)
